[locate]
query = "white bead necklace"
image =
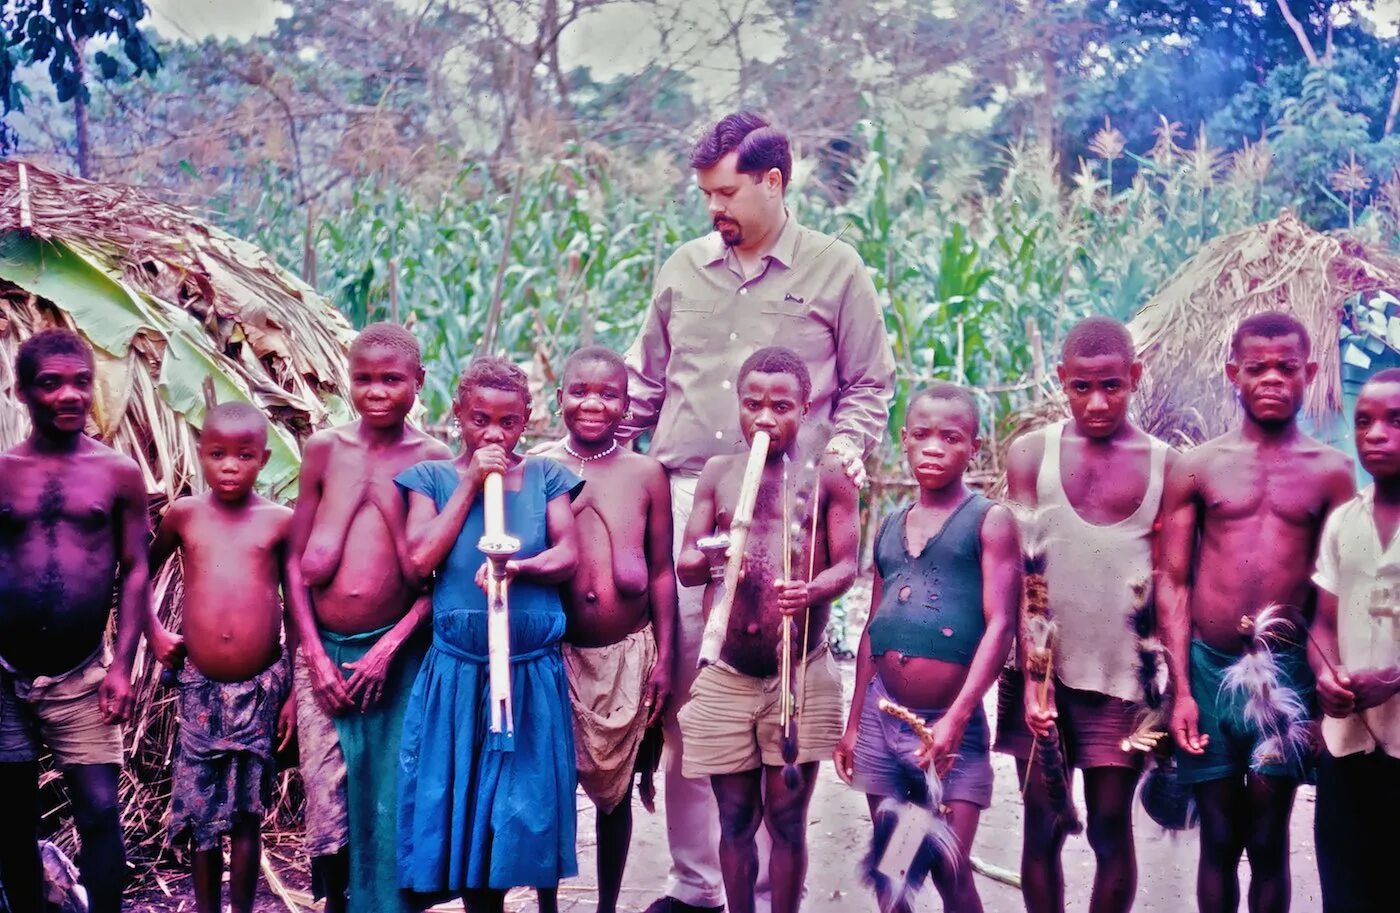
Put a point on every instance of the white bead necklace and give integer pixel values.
(583, 460)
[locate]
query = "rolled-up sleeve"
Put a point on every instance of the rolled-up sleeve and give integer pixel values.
(864, 364)
(646, 367)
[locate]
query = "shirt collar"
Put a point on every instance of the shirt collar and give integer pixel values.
(784, 249)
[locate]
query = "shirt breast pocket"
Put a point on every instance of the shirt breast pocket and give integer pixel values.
(796, 325)
(693, 321)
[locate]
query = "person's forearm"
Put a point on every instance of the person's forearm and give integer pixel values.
(865, 674)
(1324, 653)
(431, 541)
(662, 592)
(985, 668)
(413, 619)
(693, 568)
(133, 609)
(831, 583)
(1174, 601)
(553, 565)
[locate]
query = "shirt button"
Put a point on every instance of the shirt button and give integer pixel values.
(744, 290)
(719, 435)
(725, 384)
(733, 336)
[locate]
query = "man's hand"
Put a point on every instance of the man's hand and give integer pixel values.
(1186, 725)
(1334, 693)
(657, 691)
(366, 683)
(844, 755)
(168, 647)
(942, 750)
(1374, 687)
(793, 596)
(483, 573)
(114, 697)
(287, 720)
(848, 453)
(1040, 718)
(327, 684)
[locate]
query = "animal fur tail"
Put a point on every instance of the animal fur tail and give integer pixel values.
(1272, 708)
(937, 851)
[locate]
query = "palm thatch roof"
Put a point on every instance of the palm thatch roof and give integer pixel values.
(1183, 332)
(175, 309)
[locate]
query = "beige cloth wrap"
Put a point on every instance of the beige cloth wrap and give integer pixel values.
(606, 687)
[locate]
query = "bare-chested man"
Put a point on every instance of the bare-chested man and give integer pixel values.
(1242, 518)
(1098, 481)
(73, 529)
(731, 722)
(621, 602)
(364, 623)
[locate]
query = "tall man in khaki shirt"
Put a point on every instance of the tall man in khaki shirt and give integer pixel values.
(759, 279)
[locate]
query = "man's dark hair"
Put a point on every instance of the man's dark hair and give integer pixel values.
(760, 146)
(952, 393)
(385, 335)
(1094, 336)
(44, 344)
(779, 360)
(1269, 325)
(589, 354)
(494, 373)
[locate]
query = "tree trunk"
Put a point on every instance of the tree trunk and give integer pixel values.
(80, 110)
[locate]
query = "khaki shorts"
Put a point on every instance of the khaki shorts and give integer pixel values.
(730, 722)
(59, 712)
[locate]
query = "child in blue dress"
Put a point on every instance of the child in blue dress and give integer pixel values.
(480, 814)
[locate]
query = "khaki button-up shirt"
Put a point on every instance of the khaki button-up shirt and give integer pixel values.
(812, 294)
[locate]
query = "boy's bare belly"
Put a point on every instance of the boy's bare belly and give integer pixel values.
(232, 625)
(1244, 566)
(608, 597)
(918, 682)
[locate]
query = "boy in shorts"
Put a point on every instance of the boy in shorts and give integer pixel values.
(1098, 479)
(235, 682)
(730, 725)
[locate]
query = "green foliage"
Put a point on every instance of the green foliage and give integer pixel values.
(54, 34)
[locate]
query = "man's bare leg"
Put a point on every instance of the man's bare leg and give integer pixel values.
(102, 857)
(1223, 809)
(1042, 846)
(1108, 793)
(959, 892)
(740, 800)
(785, 814)
(20, 868)
(1270, 803)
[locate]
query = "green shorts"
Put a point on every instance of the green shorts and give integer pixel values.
(1232, 739)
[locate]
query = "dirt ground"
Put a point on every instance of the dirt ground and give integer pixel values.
(838, 832)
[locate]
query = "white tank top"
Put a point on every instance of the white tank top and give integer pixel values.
(1090, 570)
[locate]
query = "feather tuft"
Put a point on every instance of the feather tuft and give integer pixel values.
(938, 851)
(1274, 710)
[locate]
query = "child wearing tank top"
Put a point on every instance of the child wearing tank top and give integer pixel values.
(947, 583)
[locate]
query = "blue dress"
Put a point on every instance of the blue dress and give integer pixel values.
(472, 813)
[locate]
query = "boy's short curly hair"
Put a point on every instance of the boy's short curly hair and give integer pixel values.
(493, 373)
(779, 360)
(391, 336)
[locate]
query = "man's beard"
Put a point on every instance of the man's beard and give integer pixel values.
(729, 232)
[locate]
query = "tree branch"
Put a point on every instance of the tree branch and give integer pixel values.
(1299, 32)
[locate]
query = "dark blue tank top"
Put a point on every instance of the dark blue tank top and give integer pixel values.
(931, 606)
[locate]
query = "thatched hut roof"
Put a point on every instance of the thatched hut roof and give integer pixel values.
(175, 309)
(1183, 332)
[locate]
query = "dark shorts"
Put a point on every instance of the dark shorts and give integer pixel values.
(885, 747)
(1092, 725)
(1232, 740)
(224, 769)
